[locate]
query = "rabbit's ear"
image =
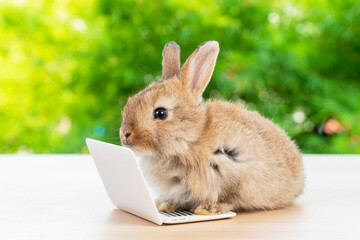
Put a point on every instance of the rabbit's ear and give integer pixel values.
(198, 68)
(171, 60)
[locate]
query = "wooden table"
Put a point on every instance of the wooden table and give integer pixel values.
(62, 197)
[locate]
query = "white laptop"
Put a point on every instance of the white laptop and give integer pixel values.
(127, 188)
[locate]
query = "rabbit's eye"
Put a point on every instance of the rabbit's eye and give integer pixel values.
(160, 113)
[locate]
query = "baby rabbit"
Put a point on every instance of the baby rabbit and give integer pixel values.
(208, 156)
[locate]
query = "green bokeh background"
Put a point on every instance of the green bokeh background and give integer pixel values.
(67, 67)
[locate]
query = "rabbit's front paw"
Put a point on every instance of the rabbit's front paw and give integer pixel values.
(207, 210)
(203, 211)
(211, 209)
(166, 206)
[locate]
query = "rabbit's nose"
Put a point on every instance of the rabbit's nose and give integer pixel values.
(127, 135)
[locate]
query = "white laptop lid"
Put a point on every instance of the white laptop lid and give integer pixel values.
(123, 180)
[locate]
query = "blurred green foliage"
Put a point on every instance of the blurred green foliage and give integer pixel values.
(67, 67)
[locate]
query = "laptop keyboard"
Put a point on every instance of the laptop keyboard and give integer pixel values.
(177, 213)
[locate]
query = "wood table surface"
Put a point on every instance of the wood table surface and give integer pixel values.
(62, 197)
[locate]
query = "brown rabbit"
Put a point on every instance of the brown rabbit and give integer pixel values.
(208, 156)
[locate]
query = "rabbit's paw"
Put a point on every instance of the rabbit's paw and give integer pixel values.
(166, 206)
(204, 212)
(201, 210)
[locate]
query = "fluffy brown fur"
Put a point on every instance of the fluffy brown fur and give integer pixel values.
(208, 156)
